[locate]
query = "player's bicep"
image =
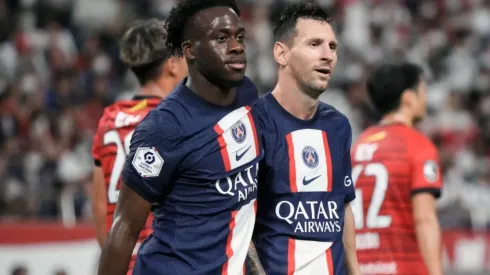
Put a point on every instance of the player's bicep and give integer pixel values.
(424, 207)
(98, 186)
(152, 163)
(427, 177)
(131, 213)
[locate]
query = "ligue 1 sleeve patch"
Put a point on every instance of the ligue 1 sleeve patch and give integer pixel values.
(148, 162)
(431, 171)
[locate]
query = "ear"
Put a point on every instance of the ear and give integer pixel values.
(281, 53)
(170, 66)
(409, 96)
(188, 50)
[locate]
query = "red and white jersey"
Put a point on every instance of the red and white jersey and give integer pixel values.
(111, 144)
(390, 164)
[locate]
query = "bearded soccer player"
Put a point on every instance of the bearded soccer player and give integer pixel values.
(304, 219)
(143, 50)
(397, 177)
(193, 159)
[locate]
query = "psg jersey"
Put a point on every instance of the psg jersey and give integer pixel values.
(304, 183)
(197, 163)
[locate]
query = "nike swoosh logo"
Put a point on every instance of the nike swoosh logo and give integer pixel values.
(239, 156)
(306, 182)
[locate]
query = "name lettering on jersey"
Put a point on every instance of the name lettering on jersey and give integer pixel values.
(124, 120)
(365, 151)
(240, 185)
(148, 162)
(310, 216)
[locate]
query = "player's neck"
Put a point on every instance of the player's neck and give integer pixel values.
(152, 89)
(396, 118)
(216, 95)
(295, 101)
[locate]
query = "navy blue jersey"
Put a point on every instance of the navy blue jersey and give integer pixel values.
(304, 183)
(197, 163)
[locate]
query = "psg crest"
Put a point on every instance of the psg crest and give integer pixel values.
(310, 157)
(239, 132)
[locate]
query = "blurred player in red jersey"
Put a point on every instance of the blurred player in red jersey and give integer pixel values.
(143, 50)
(397, 180)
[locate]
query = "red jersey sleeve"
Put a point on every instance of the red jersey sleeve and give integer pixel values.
(427, 176)
(97, 145)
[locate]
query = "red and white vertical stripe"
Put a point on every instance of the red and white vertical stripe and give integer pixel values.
(298, 171)
(309, 257)
(241, 227)
(229, 147)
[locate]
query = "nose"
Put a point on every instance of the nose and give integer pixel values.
(328, 54)
(235, 47)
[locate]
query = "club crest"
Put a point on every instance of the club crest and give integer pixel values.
(310, 157)
(239, 132)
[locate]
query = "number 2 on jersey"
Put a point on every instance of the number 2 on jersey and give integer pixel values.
(112, 137)
(373, 219)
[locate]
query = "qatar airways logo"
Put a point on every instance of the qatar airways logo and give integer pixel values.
(310, 216)
(241, 185)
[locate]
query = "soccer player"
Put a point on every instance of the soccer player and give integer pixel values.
(194, 159)
(397, 179)
(143, 50)
(304, 219)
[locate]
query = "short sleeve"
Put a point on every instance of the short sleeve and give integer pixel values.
(347, 187)
(426, 169)
(154, 158)
(97, 146)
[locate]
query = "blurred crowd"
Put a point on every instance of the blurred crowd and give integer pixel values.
(59, 68)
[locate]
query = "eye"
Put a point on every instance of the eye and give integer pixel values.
(240, 38)
(221, 39)
(314, 44)
(333, 47)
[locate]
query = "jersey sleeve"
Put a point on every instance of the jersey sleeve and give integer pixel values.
(348, 186)
(426, 169)
(97, 145)
(153, 162)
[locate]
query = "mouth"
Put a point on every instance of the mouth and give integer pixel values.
(236, 64)
(323, 71)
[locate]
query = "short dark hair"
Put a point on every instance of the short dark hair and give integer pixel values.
(285, 26)
(143, 50)
(180, 14)
(18, 270)
(387, 84)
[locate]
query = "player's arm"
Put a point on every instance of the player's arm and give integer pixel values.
(98, 192)
(349, 239)
(426, 187)
(150, 166)
(254, 267)
(428, 231)
(99, 204)
(130, 217)
(347, 188)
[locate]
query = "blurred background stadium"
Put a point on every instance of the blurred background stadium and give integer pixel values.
(59, 68)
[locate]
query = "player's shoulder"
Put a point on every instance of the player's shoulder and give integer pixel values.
(160, 126)
(329, 112)
(249, 87)
(330, 115)
(108, 118)
(416, 139)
